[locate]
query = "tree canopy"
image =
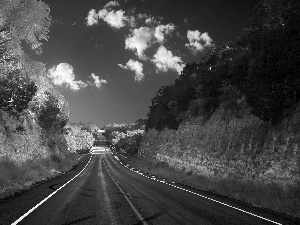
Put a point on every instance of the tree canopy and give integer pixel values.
(260, 69)
(21, 21)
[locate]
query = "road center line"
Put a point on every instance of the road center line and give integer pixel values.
(128, 200)
(49, 196)
(104, 185)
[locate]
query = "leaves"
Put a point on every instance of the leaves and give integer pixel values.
(27, 20)
(260, 70)
(15, 93)
(49, 115)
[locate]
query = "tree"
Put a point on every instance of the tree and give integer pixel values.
(49, 115)
(20, 20)
(159, 115)
(272, 82)
(15, 93)
(27, 20)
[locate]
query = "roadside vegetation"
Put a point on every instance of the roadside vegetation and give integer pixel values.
(269, 195)
(15, 177)
(125, 138)
(35, 141)
(230, 122)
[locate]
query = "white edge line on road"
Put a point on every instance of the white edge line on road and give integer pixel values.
(79, 158)
(49, 196)
(202, 196)
(128, 200)
(241, 210)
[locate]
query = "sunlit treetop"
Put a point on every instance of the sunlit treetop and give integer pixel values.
(27, 20)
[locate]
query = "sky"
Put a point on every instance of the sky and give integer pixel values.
(109, 58)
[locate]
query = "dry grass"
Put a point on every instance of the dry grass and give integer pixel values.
(16, 177)
(270, 196)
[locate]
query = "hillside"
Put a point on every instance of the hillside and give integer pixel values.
(231, 121)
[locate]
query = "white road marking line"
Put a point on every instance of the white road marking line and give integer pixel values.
(202, 196)
(49, 196)
(241, 210)
(130, 203)
(79, 158)
(128, 194)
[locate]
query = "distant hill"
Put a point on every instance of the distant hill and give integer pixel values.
(89, 125)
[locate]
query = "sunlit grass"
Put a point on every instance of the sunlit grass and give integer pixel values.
(272, 196)
(16, 177)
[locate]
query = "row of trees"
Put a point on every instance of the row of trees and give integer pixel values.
(260, 71)
(78, 139)
(125, 138)
(24, 86)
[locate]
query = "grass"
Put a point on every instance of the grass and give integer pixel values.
(272, 196)
(16, 177)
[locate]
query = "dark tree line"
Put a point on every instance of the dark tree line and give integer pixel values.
(262, 67)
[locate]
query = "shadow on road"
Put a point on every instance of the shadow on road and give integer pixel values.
(80, 220)
(151, 217)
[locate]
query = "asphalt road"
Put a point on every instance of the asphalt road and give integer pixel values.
(101, 190)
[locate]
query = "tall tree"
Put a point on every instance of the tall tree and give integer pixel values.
(21, 20)
(272, 84)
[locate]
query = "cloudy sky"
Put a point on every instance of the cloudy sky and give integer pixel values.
(109, 58)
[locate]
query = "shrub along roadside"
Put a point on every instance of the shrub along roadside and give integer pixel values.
(270, 196)
(17, 177)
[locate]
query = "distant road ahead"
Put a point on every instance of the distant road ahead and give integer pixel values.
(106, 192)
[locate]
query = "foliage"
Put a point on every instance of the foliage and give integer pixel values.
(129, 144)
(272, 83)
(78, 139)
(259, 71)
(160, 115)
(15, 93)
(23, 20)
(49, 115)
(125, 138)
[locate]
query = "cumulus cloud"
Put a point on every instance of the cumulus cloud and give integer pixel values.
(164, 61)
(96, 81)
(142, 38)
(113, 18)
(63, 74)
(92, 18)
(162, 30)
(151, 20)
(135, 66)
(198, 41)
(139, 40)
(111, 4)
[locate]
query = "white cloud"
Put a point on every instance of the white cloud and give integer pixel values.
(92, 18)
(97, 81)
(63, 74)
(162, 30)
(139, 40)
(151, 20)
(113, 18)
(164, 61)
(135, 66)
(111, 4)
(195, 38)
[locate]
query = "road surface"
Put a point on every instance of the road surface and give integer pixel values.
(101, 190)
